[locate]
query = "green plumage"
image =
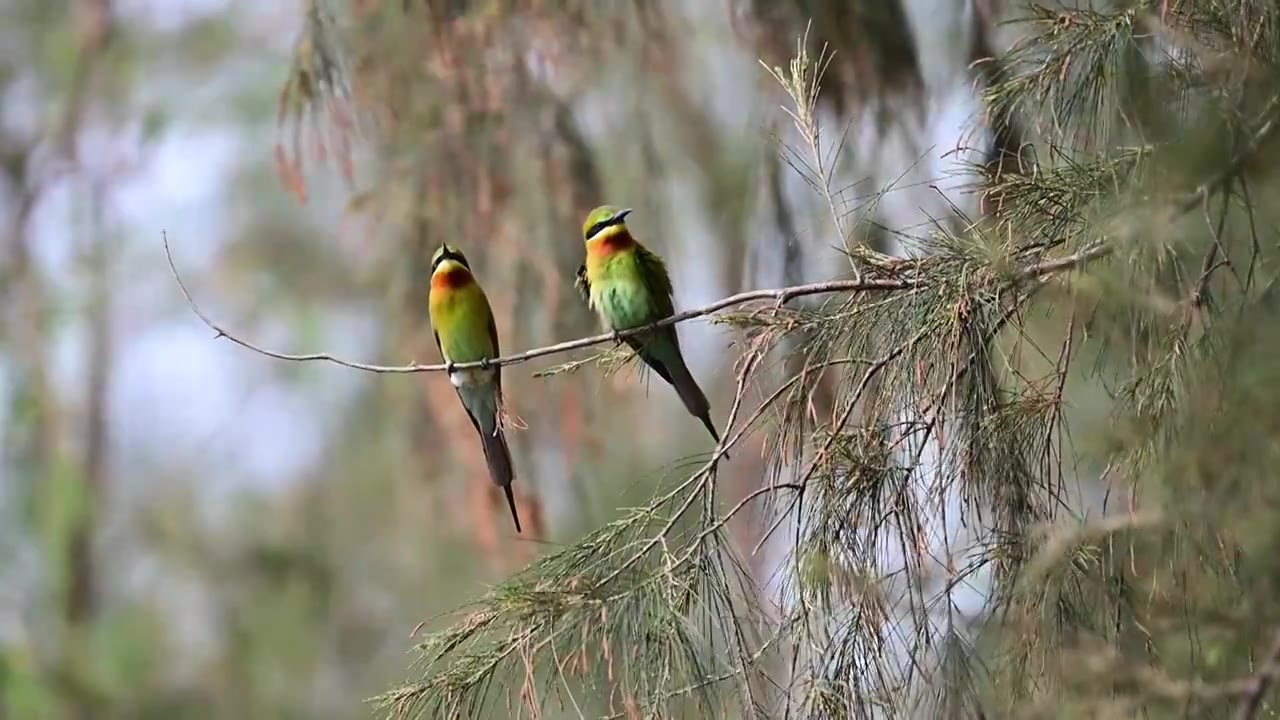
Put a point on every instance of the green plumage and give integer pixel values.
(464, 330)
(628, 287)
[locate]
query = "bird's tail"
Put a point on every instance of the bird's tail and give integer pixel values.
(695, 401)
(677, 373)
(484, 407)
(498, 457)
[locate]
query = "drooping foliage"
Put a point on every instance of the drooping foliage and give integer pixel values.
(1073, 389)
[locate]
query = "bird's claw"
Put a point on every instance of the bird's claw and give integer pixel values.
(450, 367)
(486, 364)
(617, 337)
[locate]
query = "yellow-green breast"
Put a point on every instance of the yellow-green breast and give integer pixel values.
(460, 315)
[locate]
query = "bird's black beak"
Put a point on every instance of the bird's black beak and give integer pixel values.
(450, 254)
(622, 214)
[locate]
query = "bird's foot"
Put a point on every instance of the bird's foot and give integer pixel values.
(617, 337)
(450, 367)
(486, 364)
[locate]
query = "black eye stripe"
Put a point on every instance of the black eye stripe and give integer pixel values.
(607, 222)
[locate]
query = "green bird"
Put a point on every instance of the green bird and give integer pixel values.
(462, 323)
(628, 287)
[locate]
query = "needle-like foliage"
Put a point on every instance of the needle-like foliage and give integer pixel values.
(1031, 472)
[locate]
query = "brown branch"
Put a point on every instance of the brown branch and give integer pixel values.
(1260, 681)
(779, 296)
(1067, 262)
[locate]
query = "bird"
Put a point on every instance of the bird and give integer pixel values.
(627, 285)
(462, 323)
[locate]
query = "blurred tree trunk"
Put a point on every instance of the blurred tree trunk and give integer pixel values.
(82, 589)
(91, 25)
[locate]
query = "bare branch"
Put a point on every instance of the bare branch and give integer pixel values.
(1068, 262)
(779, 296)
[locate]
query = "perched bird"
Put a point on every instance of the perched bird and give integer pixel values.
(628, 286)
(462, 323)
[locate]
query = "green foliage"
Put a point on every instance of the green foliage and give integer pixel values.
(1133, 600)
(645, 615)
(1069, 70)
(1027, 474)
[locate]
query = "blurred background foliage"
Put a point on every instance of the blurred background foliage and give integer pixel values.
(190, 530)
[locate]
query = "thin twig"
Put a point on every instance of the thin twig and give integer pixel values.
(702, 477)
(1067, 262)
(779, 296)
(1233, 168)
(837, 428)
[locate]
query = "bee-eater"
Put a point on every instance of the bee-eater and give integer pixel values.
(462, 323)
(628, 287)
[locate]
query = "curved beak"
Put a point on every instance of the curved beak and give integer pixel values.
(621, 214)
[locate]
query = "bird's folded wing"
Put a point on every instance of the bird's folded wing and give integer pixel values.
(653, 272)
(583, 284)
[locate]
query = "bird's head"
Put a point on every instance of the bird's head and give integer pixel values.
(449, 267)
(605, 221)
(448, 256)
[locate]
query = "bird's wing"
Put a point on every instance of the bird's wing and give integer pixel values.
(583, 284)
(653, 273)
(493, 338)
